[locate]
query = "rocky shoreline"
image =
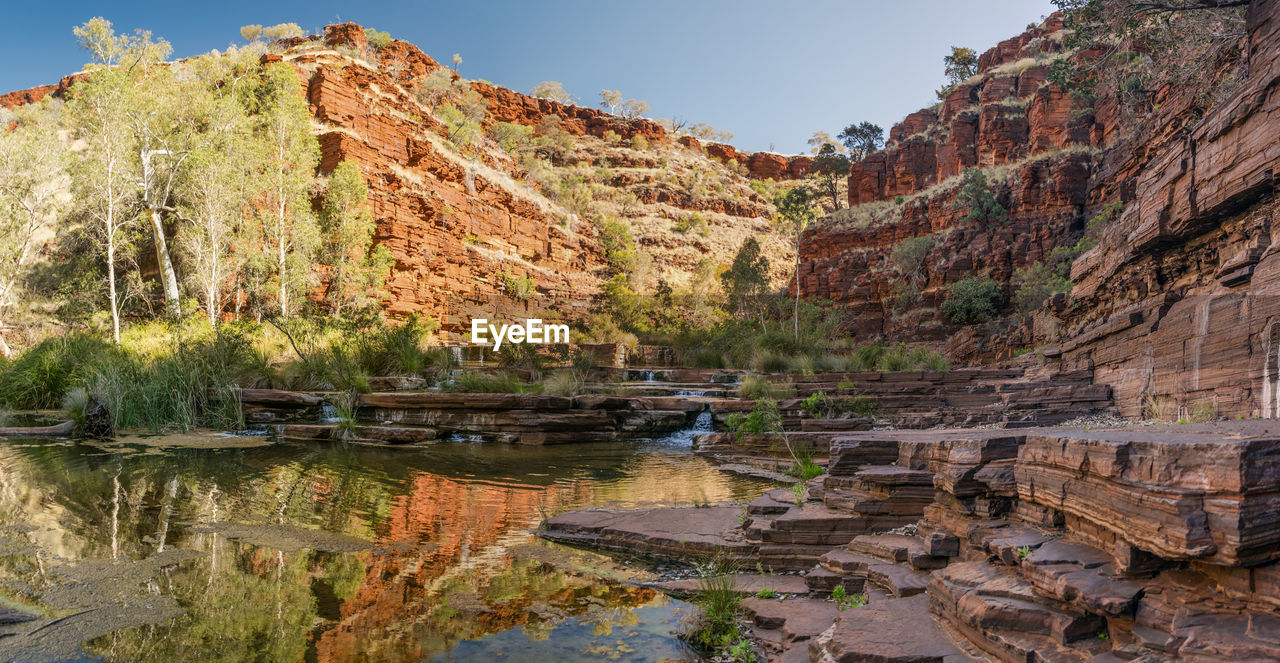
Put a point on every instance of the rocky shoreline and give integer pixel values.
(1047, 544)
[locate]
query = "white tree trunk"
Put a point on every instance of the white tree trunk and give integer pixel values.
(111, 287)
(168, 277)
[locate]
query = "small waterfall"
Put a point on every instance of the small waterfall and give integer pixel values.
(648, 377)
(683, 439)
(456, 353)
(328, 413)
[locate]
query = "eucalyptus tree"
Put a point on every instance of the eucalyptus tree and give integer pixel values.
(215, 188)
(33, 180)
(795, 213)
(105, 161)
(358, 267)
(289, 156)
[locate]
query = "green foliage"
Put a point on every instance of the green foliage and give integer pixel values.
(1023, 552)
(717, 627)
(1035, 284)
(961, 64)
(822, 406)
(377, 39)
(695, 222)
(766, 593)
(474, 382)
(551, 90)
(747, 279)
(639, 142)
(520, 288)
(511, 137)
(976, 197)
(754, 387)
(461, 128)
(764, 418)
(402, 349)
(844, 600)
(831, 168)
(861, 139)
(38, 378)
(619, 245)
(563, 383)
(908, 255)
(972, 299)
(798, 492)
(803, 467)
(359, 269)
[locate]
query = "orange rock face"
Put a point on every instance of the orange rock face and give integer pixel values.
(1178, 302)
(455, 231)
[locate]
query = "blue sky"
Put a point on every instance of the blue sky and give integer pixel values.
(770, 71)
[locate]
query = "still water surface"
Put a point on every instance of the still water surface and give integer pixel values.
(142, 551)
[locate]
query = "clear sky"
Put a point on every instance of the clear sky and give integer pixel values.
(770, 71)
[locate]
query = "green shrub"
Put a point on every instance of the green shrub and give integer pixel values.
(754, 387)
(975, 197)
(908, 255)
(520, 288)
(473, 382)
(764, 418)
(376, 39)
(803, 467)
(972, 299)
(563, 383)
(693, 222)
(1035, 284)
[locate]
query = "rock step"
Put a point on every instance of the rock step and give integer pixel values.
(1060, 567)
(772, 503)
(745, 584)
(809, 524)
(898, 581)
(897, 548)
(1000, 613)
(887, 631)
(821, 582)
(795, 620)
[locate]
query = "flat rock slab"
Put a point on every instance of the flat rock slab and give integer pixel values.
(746, 584)
(890, 631)
(670, 532)
(796, 620)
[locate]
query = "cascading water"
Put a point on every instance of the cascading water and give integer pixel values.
(683, 439)
(328, 413)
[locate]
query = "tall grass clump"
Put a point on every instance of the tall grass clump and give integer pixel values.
(754, 387)
(803, 466)
(475, 382)
(41, 376)
(398, 349)
(717, 629)
(563, 383)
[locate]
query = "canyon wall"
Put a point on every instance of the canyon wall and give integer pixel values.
(1034, 143)
(469, 227)
(1177, 305)
(1174, 307)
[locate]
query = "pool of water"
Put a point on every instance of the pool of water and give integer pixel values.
(186, 548)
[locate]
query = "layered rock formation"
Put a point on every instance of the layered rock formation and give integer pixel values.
(463, 223)
(1033, 141)
(1173, 308)
(1178, 302)
(1044, 544)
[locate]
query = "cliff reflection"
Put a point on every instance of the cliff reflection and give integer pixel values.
(329, 553)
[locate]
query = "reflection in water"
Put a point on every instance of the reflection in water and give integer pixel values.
(316, 552)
